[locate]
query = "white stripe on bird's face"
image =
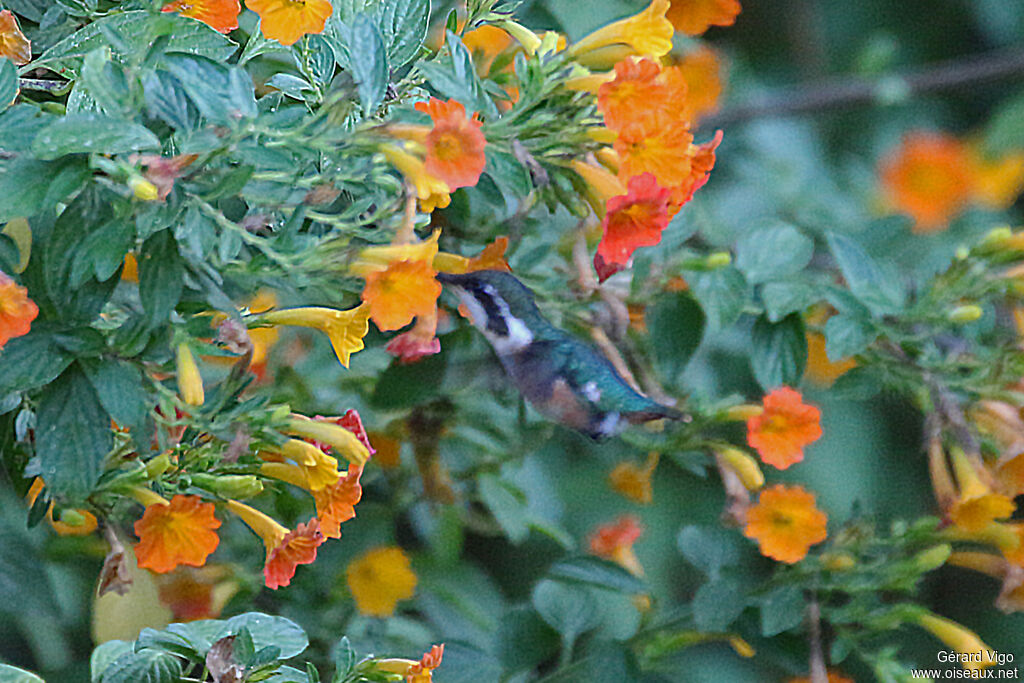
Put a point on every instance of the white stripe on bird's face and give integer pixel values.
(518, 334)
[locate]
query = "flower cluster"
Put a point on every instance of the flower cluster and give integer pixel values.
(282, 20)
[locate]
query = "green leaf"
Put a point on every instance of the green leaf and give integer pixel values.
(864, 277)
(368, 61)
(145, 666)
(455, 77)
(8, 83)
(24, 587)
(222, 94)
(29, 186)
(846, 335)
(782, 298)
(31, 361)
(773, 252)
(778, 351)
(403, 24)
(511, 177)
(722, 294)
(597, 572)
(72, 435)
(344, 660)
(570, 610)
(136, 30)
(708, 548)
(105, 654)
(718, 603)
(102, 252)
(19, 125)
(507, 504)
(267, 630)
(161, 276)
(12, 674)
(167, 100)
(781, 610)
(524, 639)
(122, 389)
(676, 323)
(92, 133)
(106, 83)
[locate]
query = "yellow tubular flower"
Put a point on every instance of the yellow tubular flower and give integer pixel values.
(289, 474)
(265, 527)
(977, 506)
(344, 442)
(428, 187)
(373, 259)
(190, 383)
(648, 33)
(601, 185)
(527, 38)
(744, 465)
(345, 329)
(589, 83)
(976, 655)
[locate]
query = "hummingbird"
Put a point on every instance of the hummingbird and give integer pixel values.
(567, 380)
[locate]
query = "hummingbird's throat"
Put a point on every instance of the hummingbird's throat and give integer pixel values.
(490, 314)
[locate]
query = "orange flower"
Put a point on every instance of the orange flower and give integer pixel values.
(288, 20)
(787, 424)
(414, 672)
(400, 292)
(455, 145)
(633, 481)
(193, 594)
(485, 43)
(701, 71)
(221, 15)
(379, 579)
(1011, 474)
(927, 177)
(785, 523)
(13, 43)
(664, 152)
(336, 503)
(17, 311)
(84, 521)
(285, 549)
(641, 93)
(615, 542)
(997, 182)
(820, 370)
(633, 220)
(417, 343)
(977, 505)
(179, 532)
(491, 257)
(702, 160)
(693, 17)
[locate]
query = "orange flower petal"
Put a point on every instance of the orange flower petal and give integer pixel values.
(694, 17)
(17, 311)
(379, 579)
(336, 503)
(288, 20)
(297, 547)
(13, 43)
(220, 15)
(786, 523)
(181, 532)
(633, 220)
(787, 424)
(609, 538)
(400, 292)
(455, 146)
(701, 72)
(640, 94)
(927, 177)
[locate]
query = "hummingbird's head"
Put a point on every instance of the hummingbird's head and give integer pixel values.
(499, 305)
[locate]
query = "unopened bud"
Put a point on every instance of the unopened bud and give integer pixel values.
(961, 253)
(143, 189)
(527, 38)
(158, 465)
(838, 561)
(743, 412)
(190, 382)
(967, 313)
(745, 467)
(933, 557)
(238, 486)
(72, 517)
(995, 239)
(719, 259)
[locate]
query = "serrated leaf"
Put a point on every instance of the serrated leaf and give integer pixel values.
(223, 94)
(31, 361)
(778, 351)
(92, 134)
(368, 61)
(781, 610)
(161, 276)
(403, 25)
(846, 335)
(145, 666)
(773, 252)
(72, 435)
(717, 604)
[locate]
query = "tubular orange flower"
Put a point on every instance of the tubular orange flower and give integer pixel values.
(345, 329)
(491, 257)
(13, 43)
(193, 594)
(641, 93)
(702, 160)
(485, 43)
(633, 481)
(431, 191)
(414, 672)
(379, 579)
(646, 33)
(288, 20)
(1011, 474)
(336, 503)
(318, 470)
(785, 523)
(977, 506)
(664, 152)
(417, 343)
(602, 186)
(344, 435)
(455, 145)
(927, 177)
(959, 638)
(787, 424)
(693, 17)
(634, 220)
(285, 549)
(615, 541)
(179, 532)
(701, 71)
(17, 311)
(221, 15)
(399, 293)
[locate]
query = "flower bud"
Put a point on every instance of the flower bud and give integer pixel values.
(967, 313)
(745, 467)
(933, 558)
(158, 465)
(743, 412)
(838, 561)
(190, 383)
(143, 189)
(995, 239)
(239, 486)
(527, 38)
(719, 259)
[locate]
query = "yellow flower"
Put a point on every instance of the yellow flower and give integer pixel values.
(379, 579)
(820, 369)
(997, 182)
(285, 549)
(975, 654)
(430, 190)
(345, 329)
(977, 505)
(601, 185)
(343, 441)
(743, 464)
(633, 481)
(786, 523)
(190, 383)
(320, 469)
(647, 33)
